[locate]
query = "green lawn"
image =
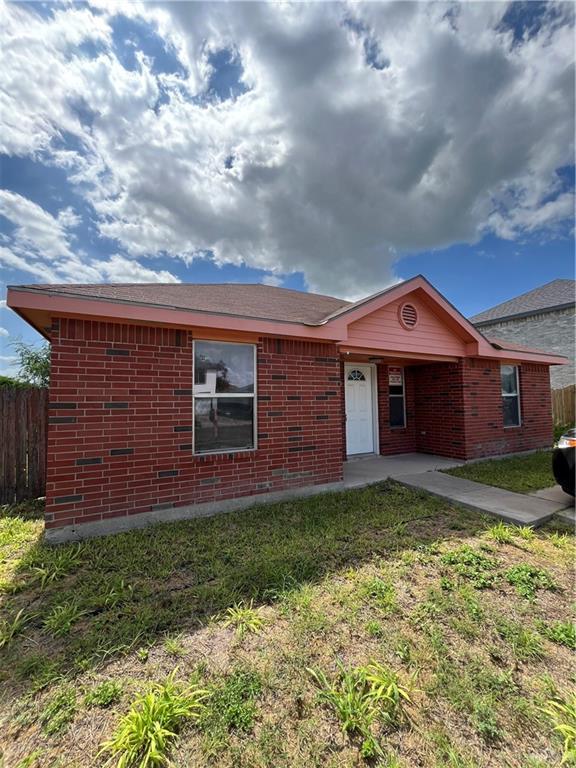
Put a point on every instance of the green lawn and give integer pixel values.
(523, 474)
(370, 627)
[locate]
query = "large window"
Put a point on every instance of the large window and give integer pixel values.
(396, 397)
(510, 395)
(224, 389)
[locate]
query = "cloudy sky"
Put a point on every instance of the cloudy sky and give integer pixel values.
(325, 146)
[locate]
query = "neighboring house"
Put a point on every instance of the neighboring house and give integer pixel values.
(543, 318)
(167, 400)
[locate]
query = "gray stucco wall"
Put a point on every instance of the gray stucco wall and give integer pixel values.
(549, 331)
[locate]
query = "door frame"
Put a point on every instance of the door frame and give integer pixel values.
(374, 386)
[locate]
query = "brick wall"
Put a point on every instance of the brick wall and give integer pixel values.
(120, 423)
(396, 440)
(485, 433)
(459, 410)
(440, 426)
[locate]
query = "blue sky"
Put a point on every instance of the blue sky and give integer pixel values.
(336, 148)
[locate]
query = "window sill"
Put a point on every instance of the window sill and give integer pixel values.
(223, 452)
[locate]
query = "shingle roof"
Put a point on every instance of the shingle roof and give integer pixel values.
(244, 299)
(555, 294)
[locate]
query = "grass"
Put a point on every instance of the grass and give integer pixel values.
(243, 618)
(361, 698)
(384, 592)
(562, 715)
(522, 474)
(528, 579)
(145, 733)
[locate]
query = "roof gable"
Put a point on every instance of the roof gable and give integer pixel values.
(430, 333)
(438, 316)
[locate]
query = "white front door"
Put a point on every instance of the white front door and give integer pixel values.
(359, 426)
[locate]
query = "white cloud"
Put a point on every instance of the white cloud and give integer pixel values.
(119, 269)
(4, 332)
(35, 228)
(272, 280)
(325, 165)
(2, 303)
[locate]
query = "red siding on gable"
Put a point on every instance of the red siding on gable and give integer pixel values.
(119, 435)
(382, 329)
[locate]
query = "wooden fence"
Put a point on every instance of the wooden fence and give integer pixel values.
(23, 417)
(563, 405)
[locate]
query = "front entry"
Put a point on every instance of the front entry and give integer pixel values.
(359, 410)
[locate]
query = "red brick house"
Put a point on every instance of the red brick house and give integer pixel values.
(176, 400)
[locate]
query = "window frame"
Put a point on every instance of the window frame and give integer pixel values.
(227, 395)
(510, 394)
(403, 396)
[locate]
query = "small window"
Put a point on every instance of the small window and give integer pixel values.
(397, 417)
(510, 395)
(224, 388)
(356, 375)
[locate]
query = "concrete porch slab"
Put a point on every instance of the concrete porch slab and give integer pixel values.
(515, 508)
(373, 469)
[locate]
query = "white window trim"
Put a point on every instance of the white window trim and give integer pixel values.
(206, 396)
(403, 396)
(510, 394)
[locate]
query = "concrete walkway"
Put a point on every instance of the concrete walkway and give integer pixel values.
(567, 512)
(515, 508)
(419, 471)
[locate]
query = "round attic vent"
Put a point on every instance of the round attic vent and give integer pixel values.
(408, 316)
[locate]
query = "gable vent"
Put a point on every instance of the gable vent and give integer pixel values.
(408, 316)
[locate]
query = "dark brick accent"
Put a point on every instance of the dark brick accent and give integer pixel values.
(293, 397)
(62, 420)
(113, 352)
(67, 499)
(295, 439)
(294, 429)
(168, 473)
(62, 406)
(278, 377)
(272, 414)
(262, 435)
(85, 462)
(321, 397)
(187, 428)
(322, 417)
(185, 446)
(210, 481)
(330, 393)
(115, 405)
(308, 447)
(121, 451)
(183, 392)
(264, 398)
